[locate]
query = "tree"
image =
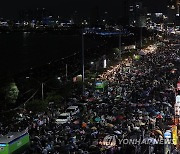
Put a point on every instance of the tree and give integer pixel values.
(37, 105)
(11, 92)
(54, 97)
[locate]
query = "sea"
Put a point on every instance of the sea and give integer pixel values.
(20, 51)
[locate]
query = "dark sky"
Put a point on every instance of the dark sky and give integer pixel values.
(10, 8)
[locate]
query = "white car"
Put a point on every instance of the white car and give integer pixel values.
(63, 118)
(73, 110)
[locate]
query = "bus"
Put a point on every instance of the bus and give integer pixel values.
(14, 142)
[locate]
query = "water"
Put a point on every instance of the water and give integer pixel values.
(22, 50)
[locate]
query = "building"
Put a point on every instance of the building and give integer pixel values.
(95, 16)
(177, 7)
(41, 13)
(137, 14)
(75, 18)
(171, 11)
(177, 17)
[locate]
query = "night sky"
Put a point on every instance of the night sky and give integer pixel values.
(65, 8)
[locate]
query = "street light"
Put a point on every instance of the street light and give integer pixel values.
(82, 43)
(120, 30)
(42, 84)
(66, 71)
(141, 37)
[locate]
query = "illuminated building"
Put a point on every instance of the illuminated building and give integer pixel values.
(173, 11)
(177, 7)
(137, 14)
(94, 18)
(177, 18)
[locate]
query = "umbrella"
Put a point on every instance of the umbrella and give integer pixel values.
(117, 132)
(140, 105)
(120, 117)
(76, 122)
(91, 99)
(136, 128)
(94, 128)
(57, 146)
(36, 137)
(84, 124)
(142, 124)
(146, 113)
(159, 132)
(97, 119)
(133, 105)
(146, 104)
(159, 116)
(110, 125)
(142, 53)
(82, 132)
(168, 104)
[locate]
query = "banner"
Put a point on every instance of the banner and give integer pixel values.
(174, 134)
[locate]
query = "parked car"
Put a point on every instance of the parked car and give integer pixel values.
(63, 118)
(73, 110)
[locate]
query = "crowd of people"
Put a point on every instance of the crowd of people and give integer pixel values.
(137, 103)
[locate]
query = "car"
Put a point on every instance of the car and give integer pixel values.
(63, 118)
(73, 110)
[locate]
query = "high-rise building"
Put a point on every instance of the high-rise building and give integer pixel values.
(75, 18)
(177, 18)
(95, 17)
(105, 18)
(124, 18)
(41, 13)
(26, 15)
(137, 14)
(173, 10)
(177, 7)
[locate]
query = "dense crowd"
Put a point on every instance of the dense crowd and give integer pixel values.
(136, 104)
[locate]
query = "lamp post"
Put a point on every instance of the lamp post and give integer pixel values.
(82, 43)
(42, 90)
(66, 71)
(141, 37)
(120, 42)
(42, 85)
